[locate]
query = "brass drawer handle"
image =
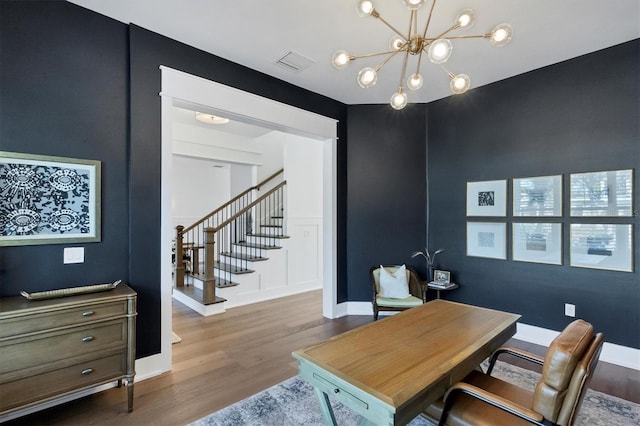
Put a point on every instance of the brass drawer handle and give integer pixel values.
(87, 313)
(87, 339)
(87, 371)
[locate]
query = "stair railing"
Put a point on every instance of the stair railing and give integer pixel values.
(224, 226)
(233, 232)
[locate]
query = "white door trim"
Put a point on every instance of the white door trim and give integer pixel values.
(185, 90)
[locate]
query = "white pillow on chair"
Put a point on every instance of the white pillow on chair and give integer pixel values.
(394, 285)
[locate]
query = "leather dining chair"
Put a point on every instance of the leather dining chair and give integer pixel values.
(382, 303)
(567, 367)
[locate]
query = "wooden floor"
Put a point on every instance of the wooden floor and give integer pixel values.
(225, 358)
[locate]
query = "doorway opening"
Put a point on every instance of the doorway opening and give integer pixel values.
(183, 90)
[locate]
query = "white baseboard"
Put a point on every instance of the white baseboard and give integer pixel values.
(611, 353)
(614, 354)
(204, 310)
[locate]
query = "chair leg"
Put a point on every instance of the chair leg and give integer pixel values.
(375, 313)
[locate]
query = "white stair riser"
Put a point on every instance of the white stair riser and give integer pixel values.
(249, 250)
(263, 240)
(236, 262)
(270, 230)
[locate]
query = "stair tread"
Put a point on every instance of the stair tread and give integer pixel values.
(197, 294)
(267, 236)
(220, 282)
(232, 268)
(271, 226)
(244, 256)
(257, 246)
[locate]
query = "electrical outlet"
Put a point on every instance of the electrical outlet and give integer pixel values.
(569, 310)
(73, 255)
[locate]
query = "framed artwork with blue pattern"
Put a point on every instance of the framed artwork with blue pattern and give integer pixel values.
(48, 200)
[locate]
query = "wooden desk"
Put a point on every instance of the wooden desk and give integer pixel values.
(391, 370)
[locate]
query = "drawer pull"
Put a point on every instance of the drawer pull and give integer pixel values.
(86, 371)
(87, 313)
(87, 339)
(336, 390)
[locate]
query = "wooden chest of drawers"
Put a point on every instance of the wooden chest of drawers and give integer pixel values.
(53, 349)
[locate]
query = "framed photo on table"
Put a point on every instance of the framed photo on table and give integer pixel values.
(48, 200)
(441, 277)
(488, 198)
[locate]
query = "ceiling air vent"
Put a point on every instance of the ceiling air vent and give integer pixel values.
(294, 62)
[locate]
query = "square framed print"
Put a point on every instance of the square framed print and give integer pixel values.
(488, 198)
(538, 196)
(48, 200)
(602, 246)
(441, 277)
(537, 242)
(604, 194)
(487, 239)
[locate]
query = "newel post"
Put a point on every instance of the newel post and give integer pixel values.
(178, 256)
(209, 283)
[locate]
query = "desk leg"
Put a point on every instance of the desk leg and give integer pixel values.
(325, 406)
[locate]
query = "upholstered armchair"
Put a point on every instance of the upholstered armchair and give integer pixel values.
(403, 291)
(567, 367)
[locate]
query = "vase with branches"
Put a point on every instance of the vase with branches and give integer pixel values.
(430, 258)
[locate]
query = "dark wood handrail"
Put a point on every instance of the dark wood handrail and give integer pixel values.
(249, 207)
(231, 201)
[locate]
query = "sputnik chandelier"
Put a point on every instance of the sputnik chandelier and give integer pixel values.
(416, 43)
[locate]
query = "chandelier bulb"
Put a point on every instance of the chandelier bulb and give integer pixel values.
(465, 19)
(460, 83)
(341, 59)
(414, 4)
(415, 82)
(396, 42)
(440, 51)
(367, 77)
(501, 35)
(365, 8)
(399, 99)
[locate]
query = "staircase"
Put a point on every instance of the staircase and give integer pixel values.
(226, 263)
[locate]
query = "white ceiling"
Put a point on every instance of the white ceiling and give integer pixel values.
(256, 33)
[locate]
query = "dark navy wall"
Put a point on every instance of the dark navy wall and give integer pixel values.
(77, 84)
(576, 116)
(64, 92)
(386, 187)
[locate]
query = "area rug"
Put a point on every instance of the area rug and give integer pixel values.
(294, 402)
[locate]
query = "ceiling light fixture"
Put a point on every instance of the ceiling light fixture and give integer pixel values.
(210, 118)
(437, 48)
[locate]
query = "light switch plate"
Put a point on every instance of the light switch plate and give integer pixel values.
(74, 255)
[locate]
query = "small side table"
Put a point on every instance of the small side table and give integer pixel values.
(426, 285)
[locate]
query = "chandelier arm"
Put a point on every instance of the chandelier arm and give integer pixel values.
(419, 61)
(369, 55)
(391, 27)
(426, 27)
(449, 73)
(470, 36)
(383, 63)
(404, 70)
(445, 32)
